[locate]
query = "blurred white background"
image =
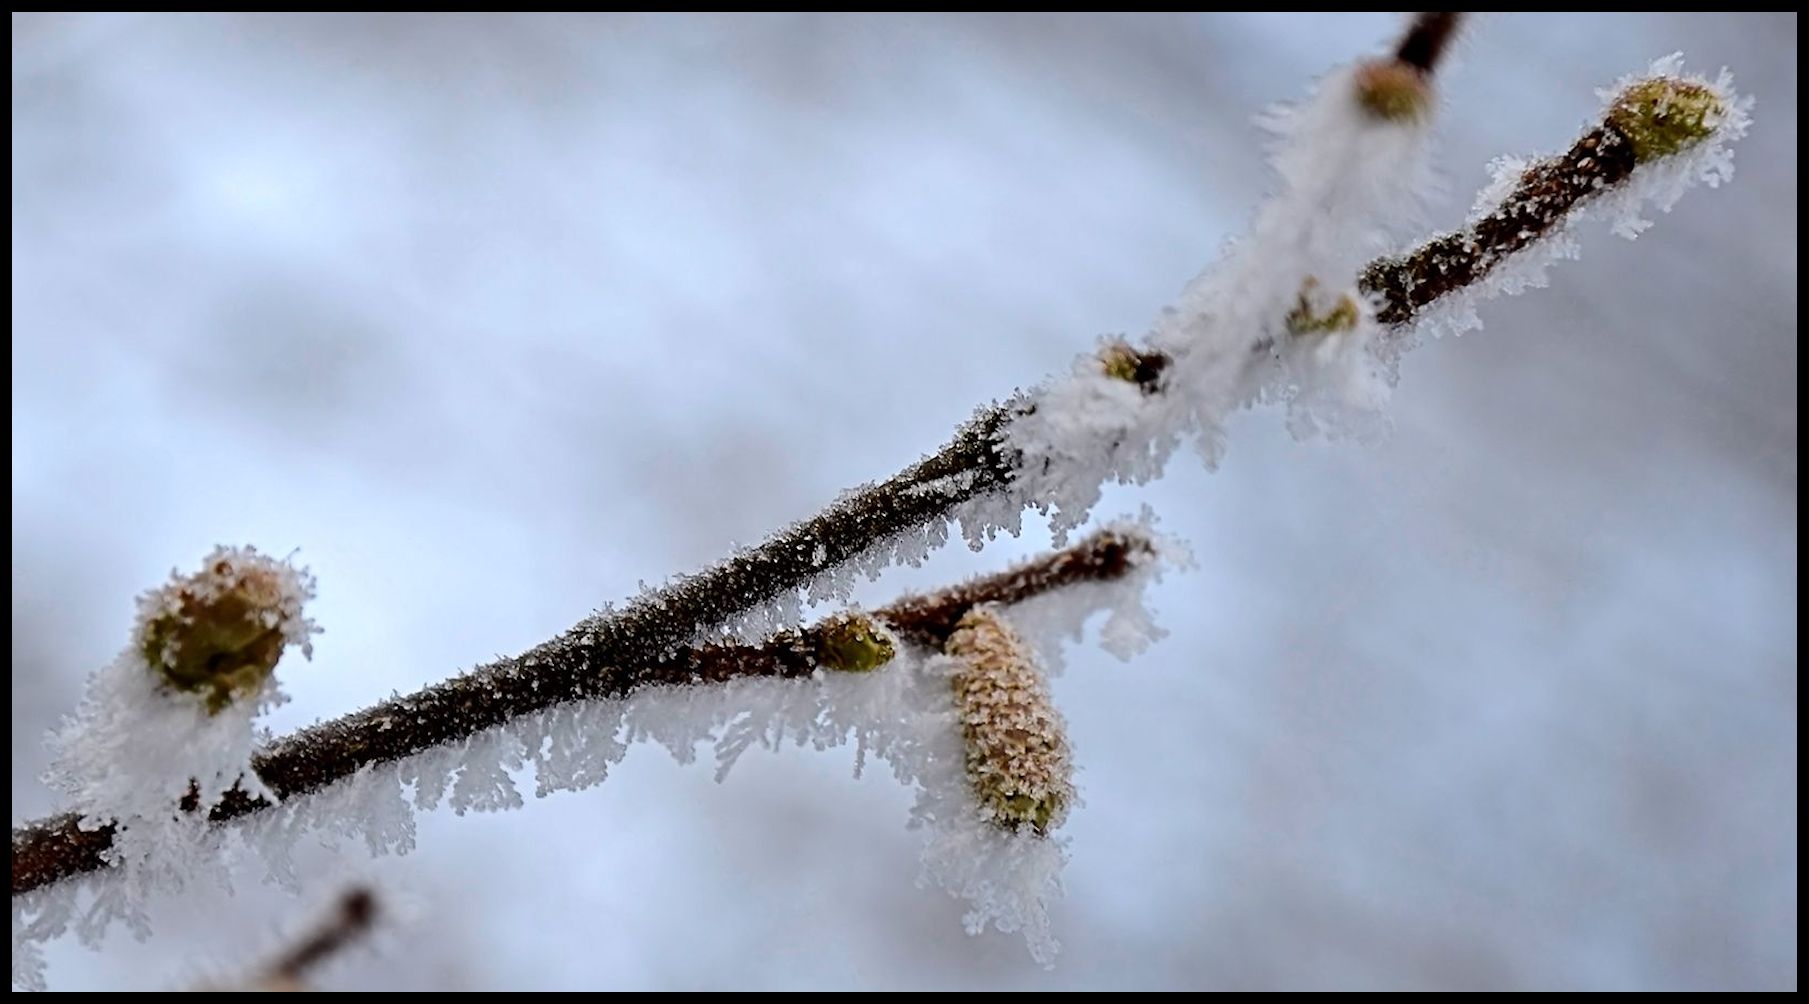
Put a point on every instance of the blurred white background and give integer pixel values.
(494, 317)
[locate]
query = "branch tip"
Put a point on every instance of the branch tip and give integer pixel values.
(352, 916)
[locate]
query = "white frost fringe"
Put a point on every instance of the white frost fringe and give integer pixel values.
(902, 713)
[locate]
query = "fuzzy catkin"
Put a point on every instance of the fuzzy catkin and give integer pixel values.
(1017, 745)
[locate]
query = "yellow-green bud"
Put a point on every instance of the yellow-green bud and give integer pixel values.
(852, 643)
(219, 632)
(1305, 319)
(1119, 360)
(1393, 91)
(1662, 116)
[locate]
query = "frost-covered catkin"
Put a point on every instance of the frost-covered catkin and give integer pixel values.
(1285, 317)
(1017, 748)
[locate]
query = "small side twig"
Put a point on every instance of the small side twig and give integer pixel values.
(1547, 192)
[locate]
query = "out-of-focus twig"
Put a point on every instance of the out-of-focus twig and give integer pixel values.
(352, 917)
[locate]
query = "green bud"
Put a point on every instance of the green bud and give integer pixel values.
(852, 643)
(1305, 320)
(1393, 91)
(219, 633)
(1120, 361)
(1662, 116)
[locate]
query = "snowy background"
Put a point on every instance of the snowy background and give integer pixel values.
(494, 318)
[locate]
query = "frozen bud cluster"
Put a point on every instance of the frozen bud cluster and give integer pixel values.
(219, 632)
(1017, 749)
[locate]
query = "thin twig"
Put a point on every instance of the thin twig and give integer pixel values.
(1548, 192)
(579, 665)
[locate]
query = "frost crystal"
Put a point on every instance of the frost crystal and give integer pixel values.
(1272, 323)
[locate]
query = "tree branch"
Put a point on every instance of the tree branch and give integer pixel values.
(586, 662)
(648, 641)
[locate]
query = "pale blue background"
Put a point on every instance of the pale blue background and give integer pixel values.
(495, 317)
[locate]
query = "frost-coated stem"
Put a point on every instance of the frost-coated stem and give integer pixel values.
(1547, 193)
(592, 660)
